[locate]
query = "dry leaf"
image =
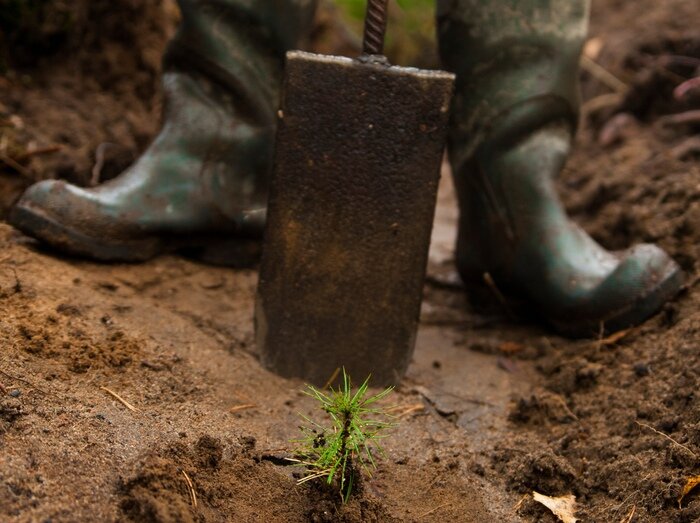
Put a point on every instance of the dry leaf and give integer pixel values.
(511, 347)
(564, 507)
(688, 488)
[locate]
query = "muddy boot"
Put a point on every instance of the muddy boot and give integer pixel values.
(201, 186)
(514, 116)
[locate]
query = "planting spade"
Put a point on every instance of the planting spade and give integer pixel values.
(352, 199)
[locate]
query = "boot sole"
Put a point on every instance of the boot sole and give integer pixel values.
(483, 300)
(211, 249)
(635, 313)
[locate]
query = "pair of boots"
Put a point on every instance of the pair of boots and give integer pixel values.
(202, 184)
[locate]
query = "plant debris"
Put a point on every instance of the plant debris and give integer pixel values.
(564, 507)
(689, 486)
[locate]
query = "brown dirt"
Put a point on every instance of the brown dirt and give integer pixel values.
(95, 81)
(501, 407)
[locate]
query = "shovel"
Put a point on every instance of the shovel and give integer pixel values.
(357, 162)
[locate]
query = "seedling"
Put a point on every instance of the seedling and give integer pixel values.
(341, 450)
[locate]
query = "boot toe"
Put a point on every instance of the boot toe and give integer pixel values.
(39, 194)
(36, 207)
(68, 218)
(644, 279)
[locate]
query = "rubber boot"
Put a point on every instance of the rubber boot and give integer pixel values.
(513, 120)
(201, 186)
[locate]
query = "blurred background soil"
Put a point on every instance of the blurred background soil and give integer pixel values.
(492, 408)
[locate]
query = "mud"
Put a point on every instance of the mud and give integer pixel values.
(492, 407)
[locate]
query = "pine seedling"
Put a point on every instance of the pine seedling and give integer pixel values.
(340, 451)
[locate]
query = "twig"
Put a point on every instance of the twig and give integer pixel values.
(687, 147)
(404, 410)
(624, 501)
(491, 284)
(687, 61)
(16, 378)
(120, 399)
(601, 102)
(683, 89)
(427, 395)
(39, 151)
(666, 436)
(628, 518)
(190, 486)
(520, 502)
(613, 338)
(603, 75)
(566, 408)
(320, 474)
(433, 510)
(688, 117)
(415, 408)
(238, 408)
(16, 166)
(332, 378)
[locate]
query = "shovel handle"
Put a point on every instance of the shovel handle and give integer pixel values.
(375, 27)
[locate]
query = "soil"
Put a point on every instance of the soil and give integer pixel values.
(492, 407)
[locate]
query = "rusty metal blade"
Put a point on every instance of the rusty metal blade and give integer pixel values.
(357, 162)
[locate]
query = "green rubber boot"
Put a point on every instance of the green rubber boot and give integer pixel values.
(201, 186)
(514, 117)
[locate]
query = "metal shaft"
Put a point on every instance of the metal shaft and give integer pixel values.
(375, 27)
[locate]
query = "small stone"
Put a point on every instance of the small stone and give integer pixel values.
(15, 393)
(641, 369)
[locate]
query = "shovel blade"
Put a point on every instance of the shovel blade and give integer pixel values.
(352, 199)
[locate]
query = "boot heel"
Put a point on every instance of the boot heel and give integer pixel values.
(239, 253)
(486, 297)
(483, 298)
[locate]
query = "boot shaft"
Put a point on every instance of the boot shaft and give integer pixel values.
(240, 45)
(510, 56)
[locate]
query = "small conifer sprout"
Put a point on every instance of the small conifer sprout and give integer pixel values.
(344, 448)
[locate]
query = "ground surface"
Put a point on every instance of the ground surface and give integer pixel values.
(492, 407)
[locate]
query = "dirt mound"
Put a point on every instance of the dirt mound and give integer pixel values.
(211, 478)
(183, 483)
(61, 339)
